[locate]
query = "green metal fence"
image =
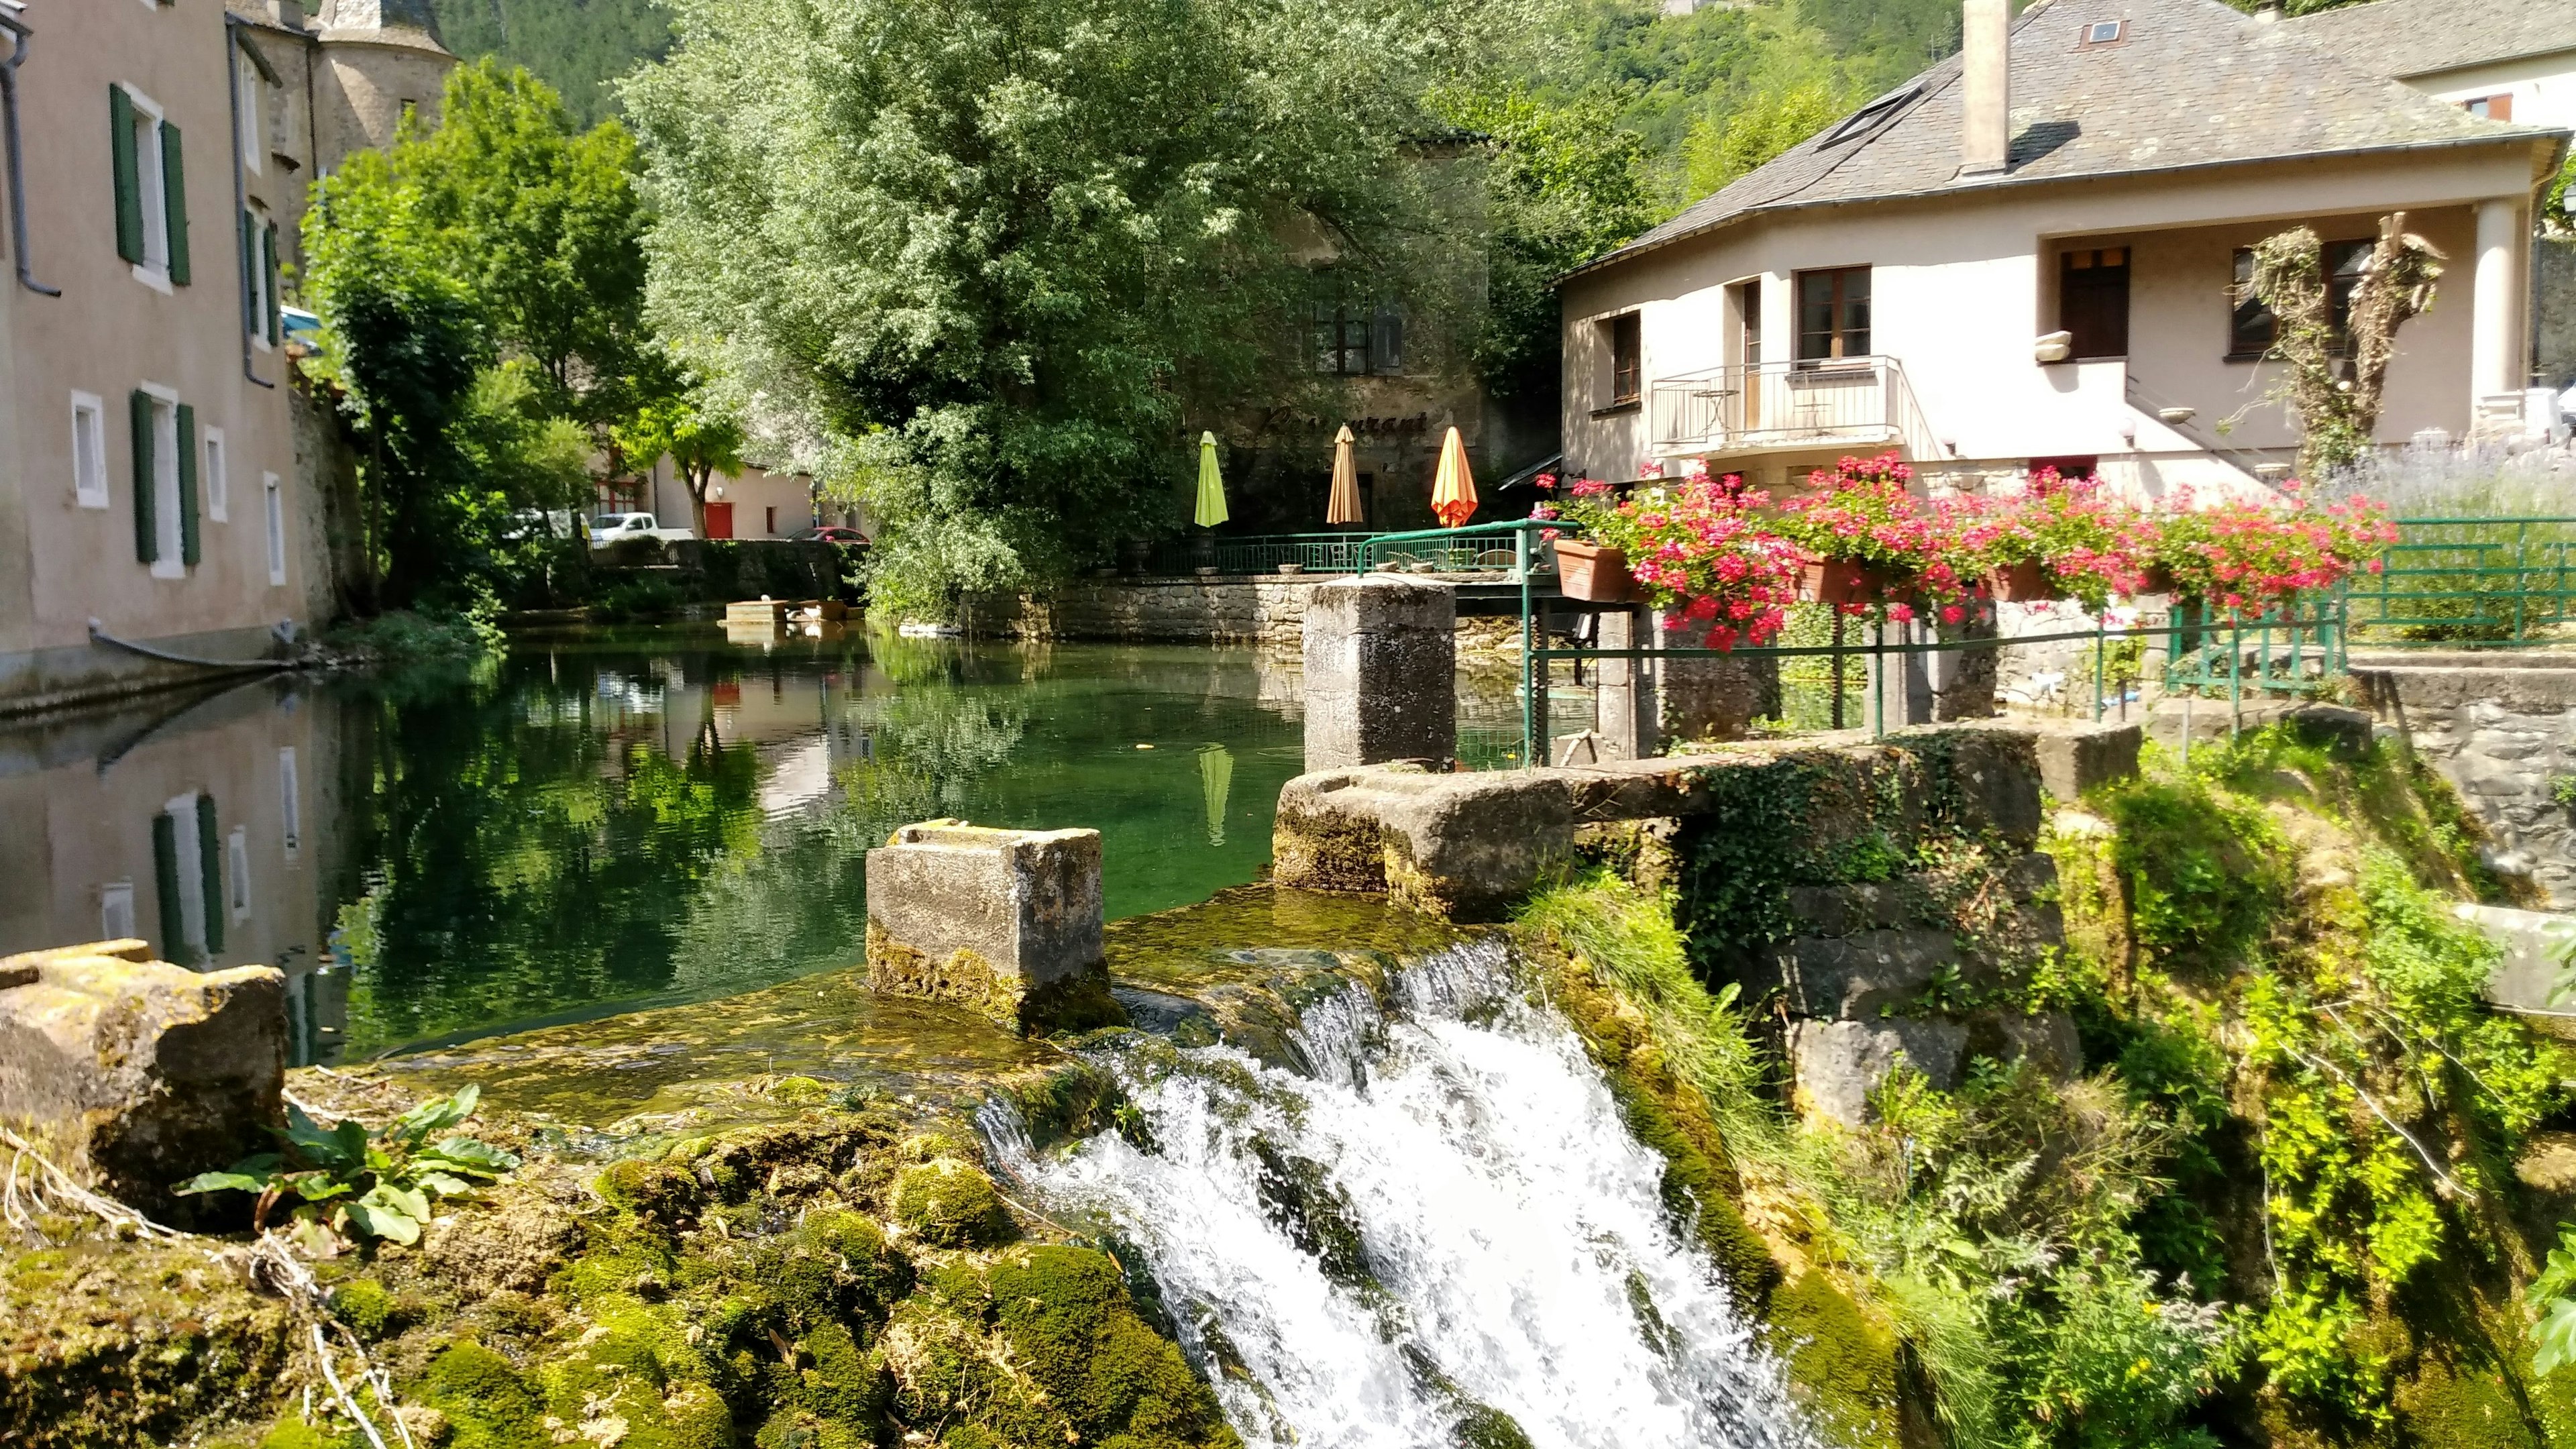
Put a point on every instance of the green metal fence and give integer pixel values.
(2470, 583)
(1478, 548)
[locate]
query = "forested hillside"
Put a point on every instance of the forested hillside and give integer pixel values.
(576, 46)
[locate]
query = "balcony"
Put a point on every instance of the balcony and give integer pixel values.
(1849, 402)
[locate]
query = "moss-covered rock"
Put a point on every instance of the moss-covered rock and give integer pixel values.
(948, 1202)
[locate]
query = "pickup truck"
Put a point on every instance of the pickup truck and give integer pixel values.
(608, 528)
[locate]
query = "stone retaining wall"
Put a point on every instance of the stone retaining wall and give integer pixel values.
(2501, 727)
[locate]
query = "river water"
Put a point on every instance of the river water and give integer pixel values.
(613, 820)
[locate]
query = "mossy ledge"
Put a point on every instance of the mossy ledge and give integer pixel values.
(842, 1279)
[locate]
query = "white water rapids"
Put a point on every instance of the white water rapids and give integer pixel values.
(1445, 1221)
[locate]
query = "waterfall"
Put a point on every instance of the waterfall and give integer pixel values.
(1438, 1231)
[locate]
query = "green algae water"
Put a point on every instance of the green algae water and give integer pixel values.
(608, 820)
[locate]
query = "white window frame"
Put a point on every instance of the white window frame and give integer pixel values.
(218, 486)
(116, 910)
(169, 539)
(290, 804)
(184, 842)
(272, 497)
(254, 107)
(89, 450)
(263, 303)
(151, 189)
(237, 872)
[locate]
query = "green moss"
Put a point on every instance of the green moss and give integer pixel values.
(1843, 1365)
(296, 1434)
(488, 1404)
(948, 1202)
(370, 1309)
(1065, 1311)
(666, 1190)
(2460, 1407)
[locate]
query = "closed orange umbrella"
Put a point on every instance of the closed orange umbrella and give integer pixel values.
(1344, 505)
(1453, 490)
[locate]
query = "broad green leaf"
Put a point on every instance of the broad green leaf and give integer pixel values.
(444, 1184)
(466, 1154)
(221, 1182)
(409, 1201)
(2553, 1339)
(377, 1221)
(436, 1114)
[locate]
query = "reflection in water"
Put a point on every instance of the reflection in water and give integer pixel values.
(599, 821)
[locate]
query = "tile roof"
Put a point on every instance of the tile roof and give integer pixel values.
(2421, 37)
(2191, 84)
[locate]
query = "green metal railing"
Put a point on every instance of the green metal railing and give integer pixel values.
(1478, 548)
(2473, 583)
(1512, 545)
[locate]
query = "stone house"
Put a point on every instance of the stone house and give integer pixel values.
(2035, 251)
(158, 492)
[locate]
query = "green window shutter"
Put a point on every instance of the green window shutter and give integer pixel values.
(129, 181)
(188, 485)
(174, 196)
(147, 537)
(210, 868)
(165, 881)
(268, 265)
(249, 274)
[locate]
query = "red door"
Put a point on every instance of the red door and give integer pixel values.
(719, 520)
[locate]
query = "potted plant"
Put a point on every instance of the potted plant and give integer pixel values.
(1863, 537)
(2058, 538)
(2250, 556)
(1698, 551)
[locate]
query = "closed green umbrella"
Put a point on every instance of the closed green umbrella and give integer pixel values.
(1211, 510)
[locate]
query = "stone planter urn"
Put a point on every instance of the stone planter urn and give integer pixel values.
(1593, 572)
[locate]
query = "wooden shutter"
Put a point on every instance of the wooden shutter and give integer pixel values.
(174, 202)
(147, 537)
(129, 181)
(165, 882)
(210, 872)
(2500, 107)
(268, 270)
(250, 273)
(188, 551)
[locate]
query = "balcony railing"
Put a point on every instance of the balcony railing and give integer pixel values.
(1853, 402)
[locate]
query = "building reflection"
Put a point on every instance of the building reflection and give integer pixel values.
(188, 821)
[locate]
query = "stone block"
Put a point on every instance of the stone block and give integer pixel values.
(1834, 1066)
(136, 1073)
(2528, 977)
(1381, 656)
(2078, 756)
(1845, 910)
(1462, 845)
(1980, 778)
(1005, 922)
(1852, 978)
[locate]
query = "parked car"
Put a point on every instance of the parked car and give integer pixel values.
(609, 528)
(833, 533)
(543, 523)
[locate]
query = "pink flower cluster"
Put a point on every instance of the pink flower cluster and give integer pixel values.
(1699, 551)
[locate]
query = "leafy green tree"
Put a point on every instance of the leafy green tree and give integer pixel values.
(1563, 186)
(1009, 253)
(542, 222)
(1724, 146)
(579, 47)
(674, 418)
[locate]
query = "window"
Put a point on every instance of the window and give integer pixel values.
(1625, 335)
(151, 189)
(254, 104)
(165, 482)
(1833, 314)
(261, 316)
(273, 511)
(116, 910)
(218, 490)
(2104, 32)
(290, 803)
(89, 450)
(1352, 338)
(237, 872)
(769, 520)
(2093, 300)
(2490, 108)
(1869, 116)
(2252, 327)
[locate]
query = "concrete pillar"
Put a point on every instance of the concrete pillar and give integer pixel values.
(2496, 364)
(1381, 666)
(1900, 685)
(1624, 711)
(1985, 35)
(1713, 698)
(1004, 922)
(1963, 680)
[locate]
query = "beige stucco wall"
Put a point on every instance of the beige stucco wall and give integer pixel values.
(1962, 286)
(110, 332)
(2543, 87)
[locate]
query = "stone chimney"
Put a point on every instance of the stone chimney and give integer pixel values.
(1986, 86)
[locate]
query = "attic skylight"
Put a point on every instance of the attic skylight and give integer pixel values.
(1869, 115)
(2103, 32)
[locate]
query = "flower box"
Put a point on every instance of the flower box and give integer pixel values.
(2024, 583)
(1592, 572)
(1839, 581)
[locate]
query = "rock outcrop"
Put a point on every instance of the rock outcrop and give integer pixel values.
(136, 1073)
